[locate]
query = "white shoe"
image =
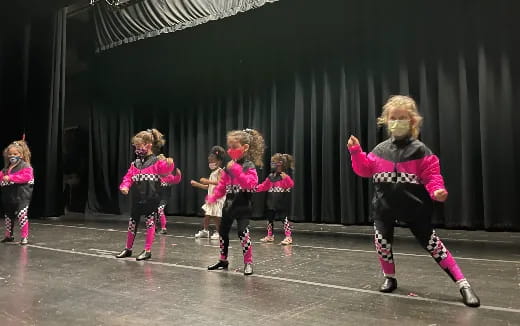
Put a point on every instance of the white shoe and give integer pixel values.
(215, 236)
(202, 234)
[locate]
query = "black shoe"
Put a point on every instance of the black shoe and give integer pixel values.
(248, 269)
(469, 297)
(389, 285)
(222, 264)
(7, 239)
(24, 241)
(125, 253)
(163, 231)
(144, 255)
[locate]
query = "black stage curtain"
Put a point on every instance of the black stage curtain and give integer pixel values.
(307, 84)
(147, 18)
(31, 73)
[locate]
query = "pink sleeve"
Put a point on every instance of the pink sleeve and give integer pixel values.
(23, 176)
(430, 174)
(172, 179)
(162, 167)
(127, 179)
(247, 179)
(287, 182)
(362, 164)
(264, 186)
(220, 189)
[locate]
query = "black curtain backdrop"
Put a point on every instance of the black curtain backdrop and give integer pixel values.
(29, 65)
(307, 79)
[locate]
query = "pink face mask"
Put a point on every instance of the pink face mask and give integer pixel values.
(235, 153)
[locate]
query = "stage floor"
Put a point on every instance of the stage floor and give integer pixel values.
(329, 276)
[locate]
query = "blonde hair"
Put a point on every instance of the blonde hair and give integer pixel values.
(150, 136)
(286, 159)
(405, 102)
(21, 146)
(255, 140)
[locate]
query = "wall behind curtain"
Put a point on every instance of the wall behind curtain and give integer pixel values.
(308, 82)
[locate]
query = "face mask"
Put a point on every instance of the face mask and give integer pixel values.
(212, 166)
(14, 159)
(141, 151)
(235, 153)
(399, 128)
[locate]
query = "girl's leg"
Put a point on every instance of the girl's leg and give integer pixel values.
(23, 220)
(428, 239)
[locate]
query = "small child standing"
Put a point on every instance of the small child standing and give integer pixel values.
(214, 211)
(278, 186)
(16, 181)
(407, 179)
(144, 177)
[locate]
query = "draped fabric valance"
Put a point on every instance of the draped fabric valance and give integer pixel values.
(148, 18)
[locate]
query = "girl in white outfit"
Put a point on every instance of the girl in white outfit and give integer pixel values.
(213, 211)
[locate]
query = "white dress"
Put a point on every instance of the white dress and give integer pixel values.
(214, 209)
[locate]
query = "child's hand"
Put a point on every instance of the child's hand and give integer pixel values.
(178, 172)
(169, 160)
(161, 157)
(204, 181)
(283, 175)
(230, 163)
(124, 191)
(441, 195)
(352, 141)
(195, 184)
(6, 178)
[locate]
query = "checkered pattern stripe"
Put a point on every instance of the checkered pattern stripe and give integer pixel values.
(6, 183)
(150, 220)
(436, 247)
(146, 177)
(22, 216)
(279, 189)
(10, 183)
(165, 184)
(395, 177)
(245, 241)
(8, 226)
(384, 249)
(233, 189)
(131, 226)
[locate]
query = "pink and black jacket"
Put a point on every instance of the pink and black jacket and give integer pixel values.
(278, 192)
(405, 174)
(18, 190)
(166, 185)
(237, 183)
(144, 179)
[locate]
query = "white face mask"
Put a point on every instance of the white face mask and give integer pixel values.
(399, 128)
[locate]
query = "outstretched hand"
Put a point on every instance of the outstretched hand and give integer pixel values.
(124, 191)
(352, 141)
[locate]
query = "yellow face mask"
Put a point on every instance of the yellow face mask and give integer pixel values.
(399, 128)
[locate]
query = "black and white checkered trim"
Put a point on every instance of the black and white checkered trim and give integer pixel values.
(10, 183)
(165, 184)
(245, 241)
(233, 189)
(146, 177)
(436, 247)
(384, 249)
(395, 177)
(279, 189)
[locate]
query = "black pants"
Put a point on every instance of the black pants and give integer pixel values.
(241, 215)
